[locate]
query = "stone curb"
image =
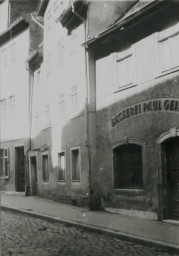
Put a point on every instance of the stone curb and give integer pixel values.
(167, 247)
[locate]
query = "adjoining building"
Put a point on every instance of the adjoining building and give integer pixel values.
(62, 102)
(19, 33)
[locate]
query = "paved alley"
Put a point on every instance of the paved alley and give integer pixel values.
(23, 235)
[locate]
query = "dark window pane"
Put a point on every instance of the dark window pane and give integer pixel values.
(6, 167)
(45, 168)
(75, 165)
(1, 167)
(1, 152)
(61, 166)
(128, 167)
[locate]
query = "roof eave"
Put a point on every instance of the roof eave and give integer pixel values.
(120, 24)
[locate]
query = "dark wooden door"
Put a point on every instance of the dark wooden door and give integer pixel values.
(20, 169)
(172, 154)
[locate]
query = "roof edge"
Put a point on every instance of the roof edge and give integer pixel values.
(123, 21)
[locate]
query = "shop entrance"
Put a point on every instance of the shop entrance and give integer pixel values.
(172, 173)
(34, 182)
(20, 169)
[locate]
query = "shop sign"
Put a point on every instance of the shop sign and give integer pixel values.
(149, 106)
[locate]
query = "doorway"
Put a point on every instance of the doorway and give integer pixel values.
(20, 169)
(34, 180)
(172, 176)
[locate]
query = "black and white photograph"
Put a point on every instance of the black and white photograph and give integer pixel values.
(89, 127)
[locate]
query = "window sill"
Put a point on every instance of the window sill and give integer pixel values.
(76, 182)
(46, 182)
(167, 72)
(61, 182)
(131, 191)
(4, 178)
(125, 87)
(46, 128)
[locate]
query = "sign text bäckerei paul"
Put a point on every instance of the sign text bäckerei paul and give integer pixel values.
(162, 104)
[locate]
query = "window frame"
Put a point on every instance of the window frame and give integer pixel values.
(3, 106)
(75, 181)
(170, 33)
(121, 56)
(143, 152)
(64, 174)
(4, 157)
(13, 53)
(4, 58)
(42, 155)
(61, 103)
(11, 106)
(74, 98)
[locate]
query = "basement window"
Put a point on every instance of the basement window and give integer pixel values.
(128, 167)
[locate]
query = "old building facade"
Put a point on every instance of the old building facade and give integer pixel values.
(137, 112)
(103, 107)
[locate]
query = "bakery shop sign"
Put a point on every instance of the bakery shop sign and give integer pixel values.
(155, 105)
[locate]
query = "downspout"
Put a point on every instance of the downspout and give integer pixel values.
(86, 108)
(31, 79)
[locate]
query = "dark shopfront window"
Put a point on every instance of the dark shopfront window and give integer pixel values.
(128, 167)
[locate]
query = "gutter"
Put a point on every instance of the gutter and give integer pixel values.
(13, 29)
(122, 22)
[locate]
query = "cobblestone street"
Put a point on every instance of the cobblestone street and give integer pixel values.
(22, 235)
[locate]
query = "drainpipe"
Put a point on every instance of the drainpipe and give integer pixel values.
(86, 108)
(31, 78)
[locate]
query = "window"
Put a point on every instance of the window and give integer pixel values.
(75, 164)
(4, 163)
(124, 68)
(128, 167)
(47, 115)
(13, 53)
(61, 166)
(3, 109)
(74, 99)
(4, 58)
(61, 52)
(48, 65)
(45, 168)
(11, 107)
(62, 106)
(168, 41)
